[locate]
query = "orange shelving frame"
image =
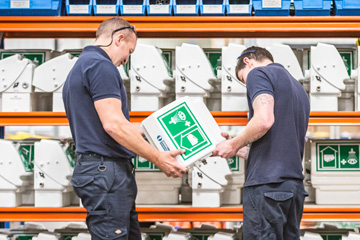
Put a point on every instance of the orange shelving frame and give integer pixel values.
(176, 213)
(189, 27)
(222, 118)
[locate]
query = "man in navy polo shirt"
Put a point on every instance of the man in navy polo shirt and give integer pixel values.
(273, 144)
(96, 106)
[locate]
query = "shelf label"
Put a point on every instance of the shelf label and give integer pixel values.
(79, 8)
(337, 156)
(132, 8)
(271, 3)
(239, 8)
(212, 8)
(106, 8)
(184, 130)
(159, 8)
(20, 4)
(186, 9)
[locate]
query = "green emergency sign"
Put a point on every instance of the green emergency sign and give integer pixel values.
(184, 130)
(337, 156)
(38, 58)
(233, 163)
(143, 165)
(26, 151)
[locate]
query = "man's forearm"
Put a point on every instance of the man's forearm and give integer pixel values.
(252, 132)
(243, 152)
(128, 135)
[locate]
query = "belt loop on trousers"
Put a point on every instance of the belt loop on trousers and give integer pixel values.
(102, 166)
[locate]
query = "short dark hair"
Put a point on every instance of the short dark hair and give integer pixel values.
(111, 24)
(257, 53)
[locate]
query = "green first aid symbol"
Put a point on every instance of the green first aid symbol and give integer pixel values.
(338, 157)
(184, 130)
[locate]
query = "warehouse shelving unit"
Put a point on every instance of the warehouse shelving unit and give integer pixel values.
(181, 27)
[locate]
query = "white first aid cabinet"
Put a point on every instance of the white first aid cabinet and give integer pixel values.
(183, 124)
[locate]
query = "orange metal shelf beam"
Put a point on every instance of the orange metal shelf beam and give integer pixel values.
(222, 118)
(174, 213)
(186, 27)
(33, 119)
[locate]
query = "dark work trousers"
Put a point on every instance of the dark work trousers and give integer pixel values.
(107, 189)
(273, 211)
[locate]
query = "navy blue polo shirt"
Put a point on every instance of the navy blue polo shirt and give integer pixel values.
(277, 156)
(92, 78)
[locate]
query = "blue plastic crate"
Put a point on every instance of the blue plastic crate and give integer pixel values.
(159, 7)
(239, 7)
(106, 7)
(31, 7)
(186, 7)
(213, 7)
(312, 7)
(271, 7)
(133, 7)
(347, 7)
(79, 7)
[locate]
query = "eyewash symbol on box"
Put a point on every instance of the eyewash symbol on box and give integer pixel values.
(184, 130)
(163, 143)
(334, 156)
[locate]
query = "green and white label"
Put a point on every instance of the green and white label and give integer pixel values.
(214, 57)
(233, 163)
(26, 151)
(143, 165)
(70, 152)
(347, 57)
(184, 130)
(337, 156)
(37, 58)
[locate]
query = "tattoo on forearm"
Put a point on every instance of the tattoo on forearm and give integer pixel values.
(254, 140)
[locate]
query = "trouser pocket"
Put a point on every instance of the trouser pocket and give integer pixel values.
(101, 228)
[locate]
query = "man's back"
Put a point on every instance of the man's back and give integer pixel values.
(278, 154)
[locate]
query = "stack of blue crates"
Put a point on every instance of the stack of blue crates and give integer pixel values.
(347, 7)
(79, 7)
(106, 7)
(159, 7)
(312, 7)
(213, 7)
(239, 8)
(31, 8)
(272, 8)
(133, 7)
(186, 7)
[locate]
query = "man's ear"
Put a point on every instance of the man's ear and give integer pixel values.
(119, 39)
(246, 60)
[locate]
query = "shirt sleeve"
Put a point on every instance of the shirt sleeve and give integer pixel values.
(103, 81)
(258, 83)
